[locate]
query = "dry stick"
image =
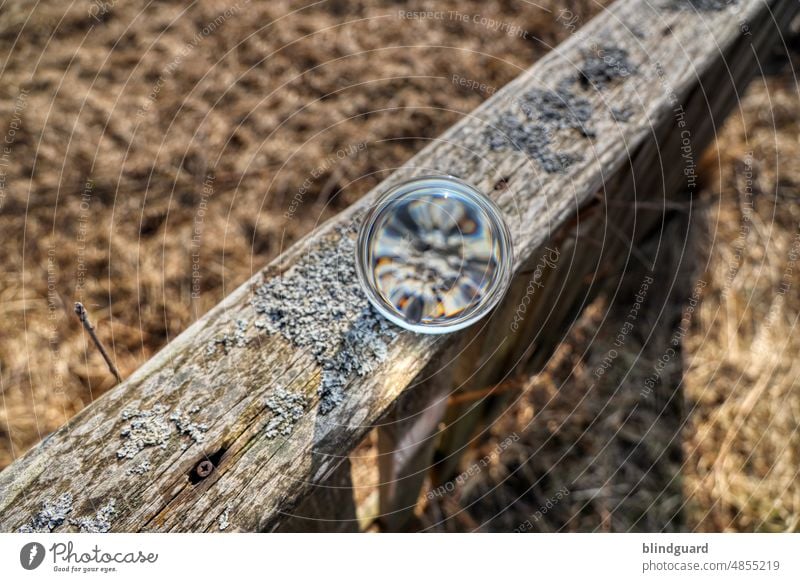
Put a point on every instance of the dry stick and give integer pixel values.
(80, 311)
(511, 384)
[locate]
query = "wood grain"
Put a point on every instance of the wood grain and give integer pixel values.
(241, 387)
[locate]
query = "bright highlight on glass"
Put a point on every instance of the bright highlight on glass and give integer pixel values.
(434, 255)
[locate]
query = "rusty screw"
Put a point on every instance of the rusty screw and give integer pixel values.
(204, 468)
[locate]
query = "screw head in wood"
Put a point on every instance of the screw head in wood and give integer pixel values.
(204, 469)
(434, 255)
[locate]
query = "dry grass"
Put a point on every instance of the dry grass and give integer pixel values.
(742, 375)
(258, 107)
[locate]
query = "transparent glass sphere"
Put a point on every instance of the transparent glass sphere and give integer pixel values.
(434, 255)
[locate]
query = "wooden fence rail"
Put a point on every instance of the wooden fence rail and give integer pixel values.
(245, 421)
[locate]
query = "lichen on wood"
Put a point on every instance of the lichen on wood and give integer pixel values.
(534, 141)
(223, 519)
(147, 428)
(546, 112)
(151, 428)
(622, 114)
(287, 408)
(100, 523)
(237, 338)
(318, 305)
(560, 108)
(185, 425)
(139, 469)
(51, 515)
(604, 64)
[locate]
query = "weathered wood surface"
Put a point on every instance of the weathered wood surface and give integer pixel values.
(276, 384)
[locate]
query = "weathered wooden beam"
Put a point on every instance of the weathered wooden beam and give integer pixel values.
(276, 384)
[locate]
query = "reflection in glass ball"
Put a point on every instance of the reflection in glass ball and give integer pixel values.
(434, 253)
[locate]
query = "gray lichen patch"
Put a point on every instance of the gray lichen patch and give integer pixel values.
(363, 347)
(561, 108)
(533, 141)
(318, 306)
(147, 428)
(287, 408)
(237, 338)
(547, 111)
(100, 523)
(185, 425)
(621, 114)
(139, 469)
(602, 65)
(223, 519)
(52, 515)
(151, 428)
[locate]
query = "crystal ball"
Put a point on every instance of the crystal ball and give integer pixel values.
(434, 255)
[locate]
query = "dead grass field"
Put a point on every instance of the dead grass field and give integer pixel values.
(152, 167)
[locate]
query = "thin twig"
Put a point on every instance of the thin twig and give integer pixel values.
(515, 383)
(80, 311)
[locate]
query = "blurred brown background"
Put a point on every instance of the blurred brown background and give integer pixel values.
(118, 114)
